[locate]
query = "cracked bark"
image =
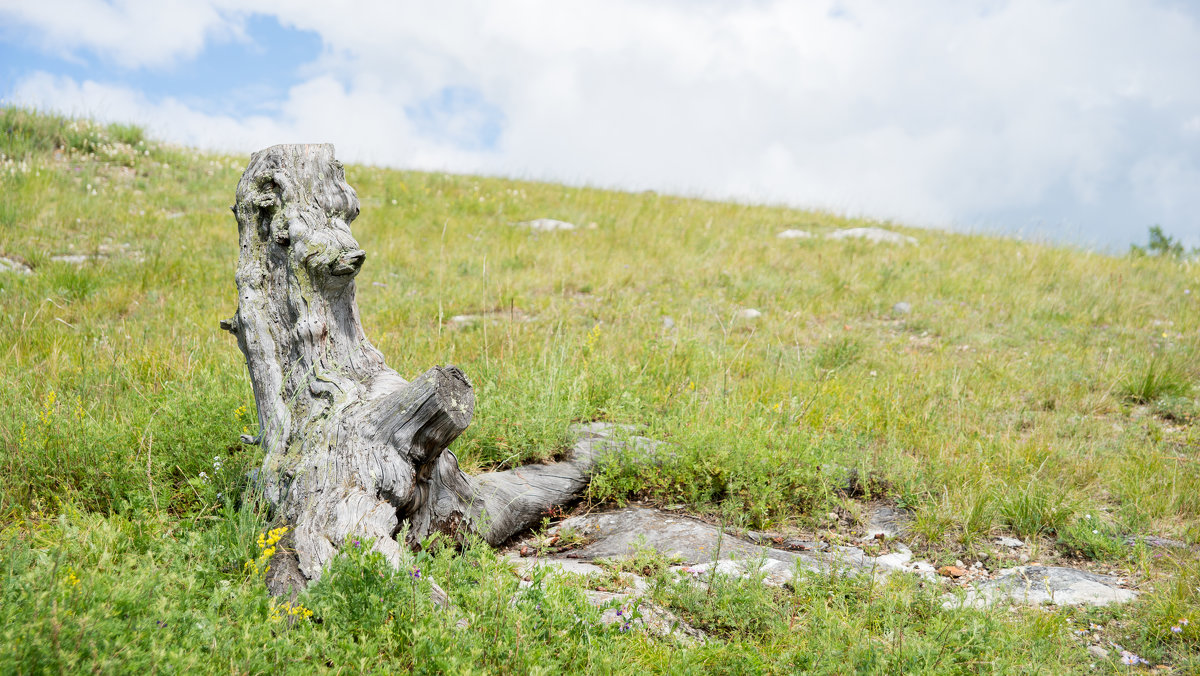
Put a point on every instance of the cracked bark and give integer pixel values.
(351, 447)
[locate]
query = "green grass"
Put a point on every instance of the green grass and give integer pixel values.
(1153, 379)
(1029, 386)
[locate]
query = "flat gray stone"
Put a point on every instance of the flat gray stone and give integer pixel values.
(1011, 543)
(698, 545)
(554, 565)
(886, 521)
(922, 568)
(76, 259)
(878, 235)
(1156, 541)
(623, 532)
(895, 561)
(1098, 652)
(794, 234)
(701, 551)
(14, 266)
(546, 225)
(901, 308)
(652, 618)
(1046, 584)
(748, 313)
(772, 572)
(493, 318)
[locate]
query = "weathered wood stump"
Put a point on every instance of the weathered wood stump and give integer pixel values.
(352, 448)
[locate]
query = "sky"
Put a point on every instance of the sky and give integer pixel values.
(1072, 121)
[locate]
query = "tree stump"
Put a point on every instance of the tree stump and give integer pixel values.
(352, 448)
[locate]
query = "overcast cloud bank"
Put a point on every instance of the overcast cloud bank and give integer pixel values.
(1072, 120)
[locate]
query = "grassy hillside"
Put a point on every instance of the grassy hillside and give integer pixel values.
(1040, 391)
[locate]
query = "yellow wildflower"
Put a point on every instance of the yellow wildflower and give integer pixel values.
(266, 549)
(48, 407)
(593, 338)
(278, 612)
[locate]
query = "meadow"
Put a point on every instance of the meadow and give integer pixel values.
(1032, 390)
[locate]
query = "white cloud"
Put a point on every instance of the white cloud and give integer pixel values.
(318, 110)
(152, 33)
(932, 112)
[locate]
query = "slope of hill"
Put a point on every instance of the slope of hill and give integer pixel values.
(988, 386)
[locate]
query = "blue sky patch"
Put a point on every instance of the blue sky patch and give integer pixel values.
(230, 77)
(459, 116)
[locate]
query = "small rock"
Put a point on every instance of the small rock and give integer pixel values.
(794, 234)
(12, 265)
(894, 561)
(625, 532)
(887, 522)
(1048, 584)
(951, 571)
(654, 618)
(1011, 543)
(748, 313)
(546, 225)
(556, 566)
(1097, 652)
(668, 323)
(727, 567)
(901, 308)
(77, 259)
(1156, 541)
(923, 568)
(872, 235)
(777, 573)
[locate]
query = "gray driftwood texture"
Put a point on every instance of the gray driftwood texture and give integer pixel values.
(353, 450)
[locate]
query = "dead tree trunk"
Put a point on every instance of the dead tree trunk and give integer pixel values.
(352, 449)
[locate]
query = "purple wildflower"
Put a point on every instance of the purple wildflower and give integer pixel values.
(1176, 630)
(416, 573)
(1131, 659)
(357, 544)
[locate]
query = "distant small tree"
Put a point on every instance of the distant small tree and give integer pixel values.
(1161, 244)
